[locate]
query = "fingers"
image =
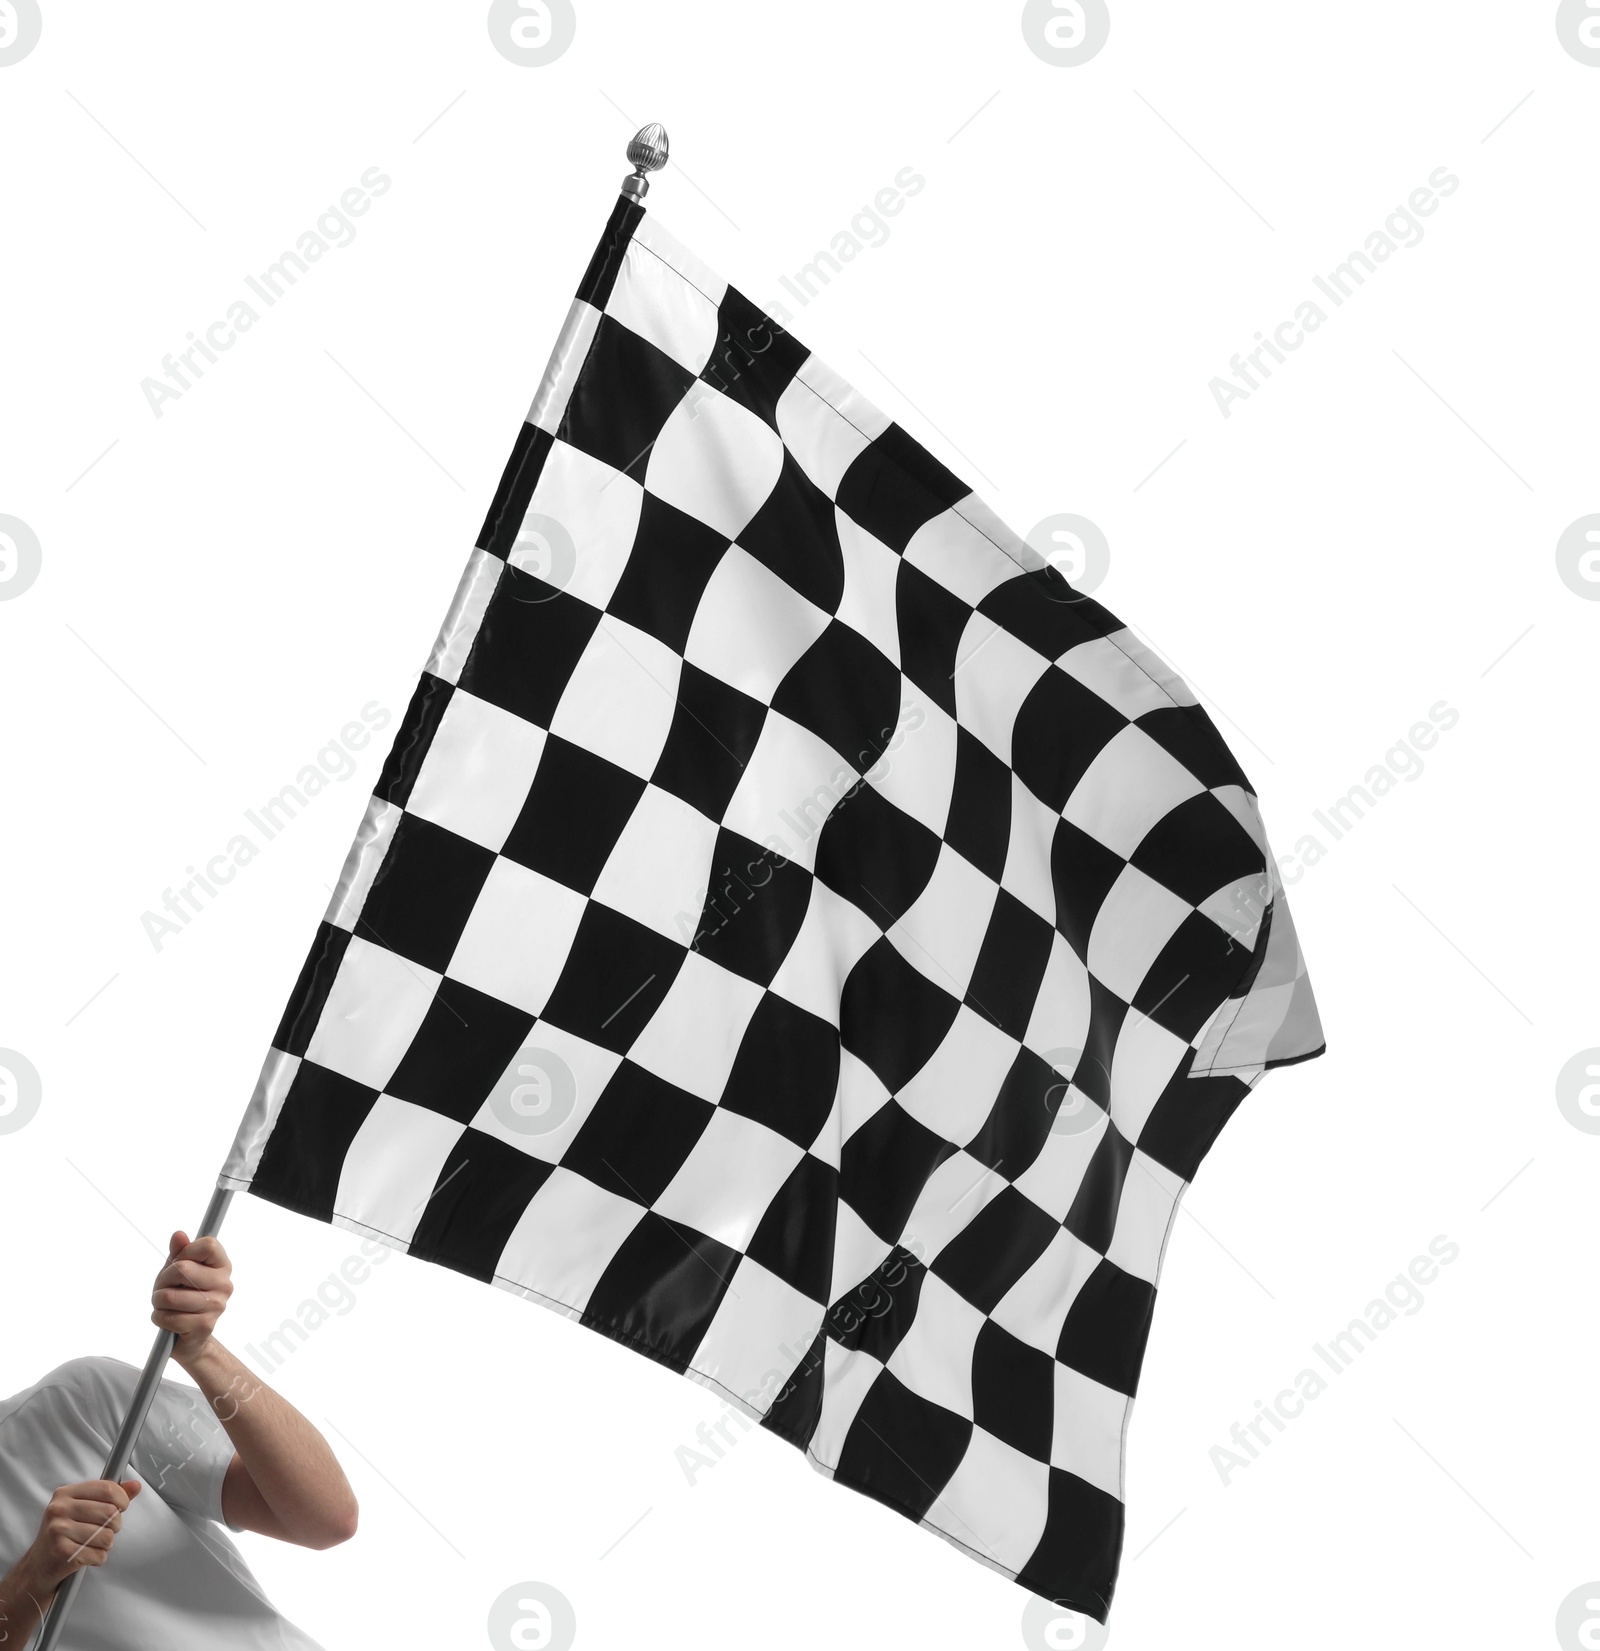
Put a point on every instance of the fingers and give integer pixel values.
(192, 1290)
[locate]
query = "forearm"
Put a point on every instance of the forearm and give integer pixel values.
(288, 1460)
(25, 1596)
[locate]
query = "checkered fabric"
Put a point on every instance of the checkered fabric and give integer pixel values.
(794, 933)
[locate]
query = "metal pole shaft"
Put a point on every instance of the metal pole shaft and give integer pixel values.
(138, 1408)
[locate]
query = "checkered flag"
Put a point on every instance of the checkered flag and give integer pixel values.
(794, 933)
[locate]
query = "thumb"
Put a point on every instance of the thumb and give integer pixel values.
(131, 1486)
(178, 1241)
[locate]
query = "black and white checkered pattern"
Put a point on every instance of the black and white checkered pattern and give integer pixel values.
(793, 933)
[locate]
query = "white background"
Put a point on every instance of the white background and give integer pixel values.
(1374, 531)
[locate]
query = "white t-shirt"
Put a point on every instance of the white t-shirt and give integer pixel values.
(173, 1581)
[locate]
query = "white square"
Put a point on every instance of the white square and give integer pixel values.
(871, 578)
(1144, 1213)
(393, 1165)
(763, 1328)
(620, 699)
(834, 936)
(477, 772)
(693, 1039)
(1136, 920)
(715, 460)
(996, 1502)
(566, 1076)
(1129, 788)
(479, 580)
(942, 932)
(823, 442)
(917, 773)
(994, 674)
(516, 941)
(1142, 1065)
(1064, 1007)
(595, 510)
(1033, 832)
(373, 1011)
(1088, 1430)
(934, 1358)
(750, 627)
(1053, 1178)
(953, 553)
(955, 1091)
(952, 1198)
(1035, 1307)
(659, 870)
(1107, 670)
(566, 1238)
(733, 1172)
(792, 782)
(653, 300)
(857, 1252)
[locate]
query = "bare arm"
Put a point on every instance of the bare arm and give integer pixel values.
(284, 1481)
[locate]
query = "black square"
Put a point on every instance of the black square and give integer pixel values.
(661, 1290)
(1093, 1216)
(528, 644)
(753, 360)
(1082, 871)
(885, 1165)
(1011, 965)
(875, 1316)
(1188, 733)
(673, 558)
(1198, 849)
(979, 823)
(754, 907)
(1061, 728)
(794, 1239)
(931, 622)
(1107, 1012)
(1188, 1117)
(637, 1135)
(1075, 1563)
(795, 534)
(625, 393)
(616, 974)
(1014, 1391)
(892, 1016)
(304, 1154)
(412, 740)
(483, 1187)
(786, 1070)
(1019, 1122)
(461, 1050)
(1107, 1326)
(317, 974)
(1194, 972)
(846, 693)
(424, 892)
(1038, 608)
(797, 1408)
(995, 1248)
(902, 1448)
(574, 813)
(875, 855)
(714, 730)
(896, 486)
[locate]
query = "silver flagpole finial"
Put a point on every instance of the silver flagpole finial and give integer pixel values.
(647, 153)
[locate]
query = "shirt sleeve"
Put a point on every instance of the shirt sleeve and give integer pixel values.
(183, 1452)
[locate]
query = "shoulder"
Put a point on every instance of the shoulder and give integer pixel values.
(94, 1377)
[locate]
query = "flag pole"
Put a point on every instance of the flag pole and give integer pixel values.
(647, 153)
(138, 1408)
